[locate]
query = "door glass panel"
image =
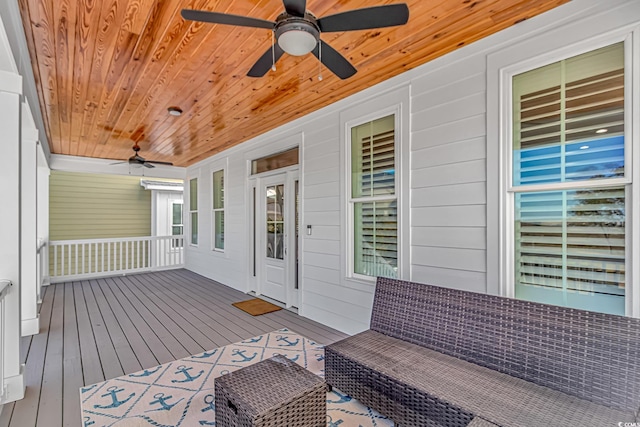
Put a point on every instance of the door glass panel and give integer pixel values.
(275, 221)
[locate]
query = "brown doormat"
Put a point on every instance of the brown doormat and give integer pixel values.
(256, 306)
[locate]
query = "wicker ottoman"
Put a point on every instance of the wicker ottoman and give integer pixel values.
(274, 392)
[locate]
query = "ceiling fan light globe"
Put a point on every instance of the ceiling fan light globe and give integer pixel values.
(297, 42)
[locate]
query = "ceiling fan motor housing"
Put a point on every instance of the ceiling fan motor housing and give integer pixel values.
(297, 36)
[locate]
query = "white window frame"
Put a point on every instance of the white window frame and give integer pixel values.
(506, 196)
(214, 210)
(193, 211)
(173, 202)
(395, 102)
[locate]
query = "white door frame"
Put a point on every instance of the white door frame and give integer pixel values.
(288, 177)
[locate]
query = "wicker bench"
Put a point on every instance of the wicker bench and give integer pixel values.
(442, 357)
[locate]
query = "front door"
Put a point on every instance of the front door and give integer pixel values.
(278, 229)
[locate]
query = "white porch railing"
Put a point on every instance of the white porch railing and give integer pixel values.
(4, 285)
(79, 259)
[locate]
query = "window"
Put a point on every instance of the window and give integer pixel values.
(218, 210)
(275, 161)
(568, 186)
(177, 227)
(374, 199)
(193, 209)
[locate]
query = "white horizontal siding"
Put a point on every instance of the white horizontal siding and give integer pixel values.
(447, 190)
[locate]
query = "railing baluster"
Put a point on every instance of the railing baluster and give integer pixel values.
(69, 258)
(55, 260)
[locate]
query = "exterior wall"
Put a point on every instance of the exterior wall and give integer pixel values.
(447, 190)
(87, 206)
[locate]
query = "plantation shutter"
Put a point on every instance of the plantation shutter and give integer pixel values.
(373, 176)
(568, 125)
(572, 239)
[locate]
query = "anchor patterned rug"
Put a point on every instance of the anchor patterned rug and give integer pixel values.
(180, 393)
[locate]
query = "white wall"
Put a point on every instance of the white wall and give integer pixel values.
(447, 193)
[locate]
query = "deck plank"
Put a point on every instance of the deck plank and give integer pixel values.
(214, 330)
(25, 411)
(145, 319)
(185, 333)
(111, 365)
(50, 404)
(188, 321)
(225, 295)
(143, 340)
(90, 359)
(99, 329)
(72, 361)
(128, 359)
(208, 311)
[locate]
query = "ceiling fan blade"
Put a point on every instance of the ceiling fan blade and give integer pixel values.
(334, 61)
(226, 19)
(117, 163)
(148, 165)
(295, 7)
(366, 18)
(159, 163)
(265, 62)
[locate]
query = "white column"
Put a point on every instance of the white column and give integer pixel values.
(29, 245)
(10, 106)
(43, 220)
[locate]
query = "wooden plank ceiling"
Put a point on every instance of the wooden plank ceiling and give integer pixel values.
(107, 70)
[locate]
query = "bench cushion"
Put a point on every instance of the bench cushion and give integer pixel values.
(476, 390)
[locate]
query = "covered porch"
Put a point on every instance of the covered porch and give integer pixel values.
(97, 329)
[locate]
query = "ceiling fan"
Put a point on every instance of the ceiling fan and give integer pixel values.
(297, 31)
(137, 159)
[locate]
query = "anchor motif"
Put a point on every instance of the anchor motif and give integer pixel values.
(185, 371)
(163, 402)
(112, 392)
(209, 399)
(286, 340)
(343, 398)
(253, 340)
(86, 389)
(205, 355)
(331, 423)
(319, 357)
(236, 352)
(146, 373)
(88, 422)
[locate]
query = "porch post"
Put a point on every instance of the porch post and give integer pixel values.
(29, 243)
(10, 105)
(42, 201)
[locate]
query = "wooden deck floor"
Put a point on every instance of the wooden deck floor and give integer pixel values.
(100, 329)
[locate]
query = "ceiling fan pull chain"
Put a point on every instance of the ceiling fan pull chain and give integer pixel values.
(273, 51)
(319, 61)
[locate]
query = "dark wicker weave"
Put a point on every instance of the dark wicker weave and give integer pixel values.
(531, 364)
(275, 392)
